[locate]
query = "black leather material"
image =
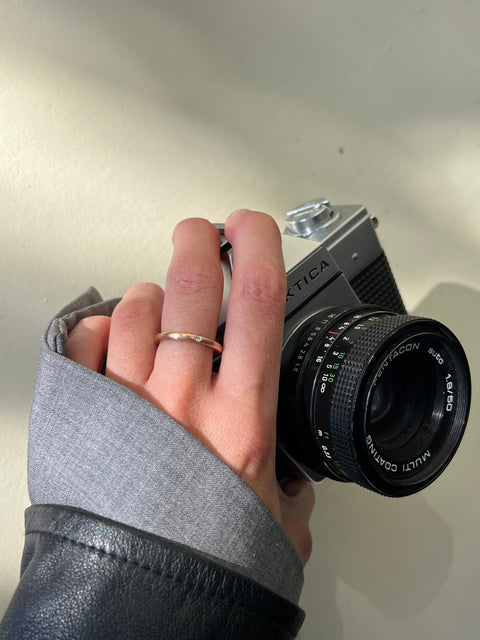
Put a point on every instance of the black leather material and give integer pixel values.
(84, 577)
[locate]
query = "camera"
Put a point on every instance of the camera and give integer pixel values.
(368, 394)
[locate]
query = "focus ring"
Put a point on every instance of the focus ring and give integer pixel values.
(344, 396)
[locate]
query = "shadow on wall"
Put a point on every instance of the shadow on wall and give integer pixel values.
(214, 64)
(397, 554)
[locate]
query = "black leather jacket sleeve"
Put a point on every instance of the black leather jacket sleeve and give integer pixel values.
(85, 577)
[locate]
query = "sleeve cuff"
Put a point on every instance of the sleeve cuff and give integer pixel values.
(96, 445)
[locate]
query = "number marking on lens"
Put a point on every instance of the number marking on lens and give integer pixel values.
(450, 393)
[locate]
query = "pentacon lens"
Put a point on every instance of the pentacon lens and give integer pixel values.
(379, 399)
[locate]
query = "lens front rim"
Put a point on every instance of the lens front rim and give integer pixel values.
(397, 476)
(348, 402)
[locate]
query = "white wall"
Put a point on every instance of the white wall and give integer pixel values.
(118, 119)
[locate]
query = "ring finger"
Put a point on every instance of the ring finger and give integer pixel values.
(193, 296)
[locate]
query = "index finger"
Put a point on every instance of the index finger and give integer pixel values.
(256, 308)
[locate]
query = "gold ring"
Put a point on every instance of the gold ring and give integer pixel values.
(177, 335)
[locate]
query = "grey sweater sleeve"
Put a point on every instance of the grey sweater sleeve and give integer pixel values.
(96, 445)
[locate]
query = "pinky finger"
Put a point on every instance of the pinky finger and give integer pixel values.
(88, 341)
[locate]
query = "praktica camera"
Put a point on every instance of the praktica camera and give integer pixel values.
(368, 393)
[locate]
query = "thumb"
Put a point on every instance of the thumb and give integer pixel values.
(297, 499)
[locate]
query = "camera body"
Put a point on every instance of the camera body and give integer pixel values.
(333, 257)
(368, 394)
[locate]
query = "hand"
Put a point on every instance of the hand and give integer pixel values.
(233, 412)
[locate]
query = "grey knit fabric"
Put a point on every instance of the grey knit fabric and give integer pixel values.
(96, 445)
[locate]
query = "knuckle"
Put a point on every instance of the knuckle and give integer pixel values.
(259, 454)
(130, 312)
(187, 278)
(91, 325)
(267, 288)
(251, 457)
(256, 419)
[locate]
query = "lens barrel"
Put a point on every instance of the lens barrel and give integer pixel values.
(373, 397)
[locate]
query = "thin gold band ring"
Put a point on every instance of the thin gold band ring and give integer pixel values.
(192, 337)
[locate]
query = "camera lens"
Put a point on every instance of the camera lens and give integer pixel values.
(373, 397)
(402, 414)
